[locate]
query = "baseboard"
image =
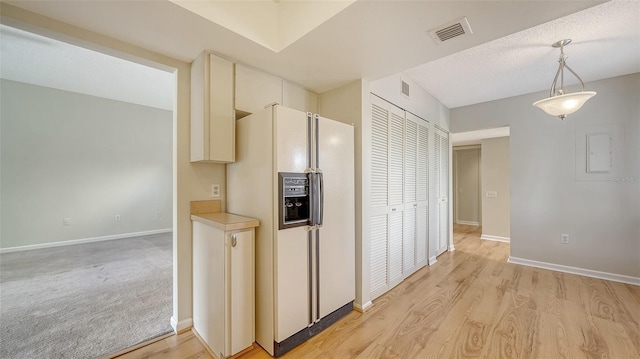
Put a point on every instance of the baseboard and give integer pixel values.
(468, 223)
(84, 240)
(451, 248)
(489, 237)
(182, 326)
(433, 260)
(362, 308)
(575, 270)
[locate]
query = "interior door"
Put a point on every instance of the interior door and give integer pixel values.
(379, 196)
(396, 195)
(442, 188)
(410, 195)
(422, 195)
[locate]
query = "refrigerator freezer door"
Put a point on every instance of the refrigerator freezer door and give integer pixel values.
(291, 257)
(337, 236)
(290, 140)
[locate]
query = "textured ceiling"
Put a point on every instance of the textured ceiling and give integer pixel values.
(508, 54)
(606, 43)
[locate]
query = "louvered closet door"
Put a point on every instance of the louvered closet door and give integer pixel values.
(379, 196)
(442, 188)
(422, 194)
(410, 194)
(396, 194)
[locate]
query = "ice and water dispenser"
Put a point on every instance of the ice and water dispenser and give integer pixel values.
(294, 200)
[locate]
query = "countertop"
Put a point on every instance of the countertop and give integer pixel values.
(226, 221)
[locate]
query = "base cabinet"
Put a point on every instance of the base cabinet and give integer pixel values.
(223, 288)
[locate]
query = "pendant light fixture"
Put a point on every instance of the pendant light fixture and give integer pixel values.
(560, 103)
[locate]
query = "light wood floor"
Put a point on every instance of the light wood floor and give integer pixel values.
(472, 304)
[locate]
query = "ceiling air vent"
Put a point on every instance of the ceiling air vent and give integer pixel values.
(405, 88)
(450, 30)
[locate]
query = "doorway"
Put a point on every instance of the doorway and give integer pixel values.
(481, 181)
(87, 210)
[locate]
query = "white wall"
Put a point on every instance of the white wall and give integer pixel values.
(420, 102)
(68, 155)
(495, 178)
(548, 196)
(190, 181)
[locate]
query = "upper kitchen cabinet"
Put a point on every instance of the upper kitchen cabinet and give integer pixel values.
(298, 98)
(213, 130)
(255, 89)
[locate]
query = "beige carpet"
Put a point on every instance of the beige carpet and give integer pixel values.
(85, 300)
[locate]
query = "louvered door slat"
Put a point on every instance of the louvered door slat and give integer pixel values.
(444, 166)
(422, 182)
(436, 167)
(422, 230)
(379, 157)
(409, 241)
(379, 252)
(395, 247)
(396, 145)
(410, 158)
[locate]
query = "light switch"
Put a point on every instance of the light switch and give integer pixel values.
(492, 194)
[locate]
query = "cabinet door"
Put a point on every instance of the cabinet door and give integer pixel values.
(298, 98)
(209, 313)
(212, 115)
(222, 126)
(255, 89)
(240, 278)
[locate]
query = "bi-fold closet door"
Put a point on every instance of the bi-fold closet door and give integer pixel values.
(399, 195)
(441, 177)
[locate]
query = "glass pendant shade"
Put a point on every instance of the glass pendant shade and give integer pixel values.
(563, 105)
(559, 103)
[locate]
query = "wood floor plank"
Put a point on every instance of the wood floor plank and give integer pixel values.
(514, 331)
(471, 304)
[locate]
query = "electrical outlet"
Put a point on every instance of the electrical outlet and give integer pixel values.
(117, 218)
(215, 190)
(66, 221)
(564, 238)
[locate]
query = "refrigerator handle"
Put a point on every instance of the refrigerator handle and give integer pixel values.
(313, 198)
(320, 198)
(316, 132)
(317, 198)
(309, 139)
(310, 273)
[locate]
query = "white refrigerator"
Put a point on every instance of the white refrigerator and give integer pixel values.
(294, 171)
